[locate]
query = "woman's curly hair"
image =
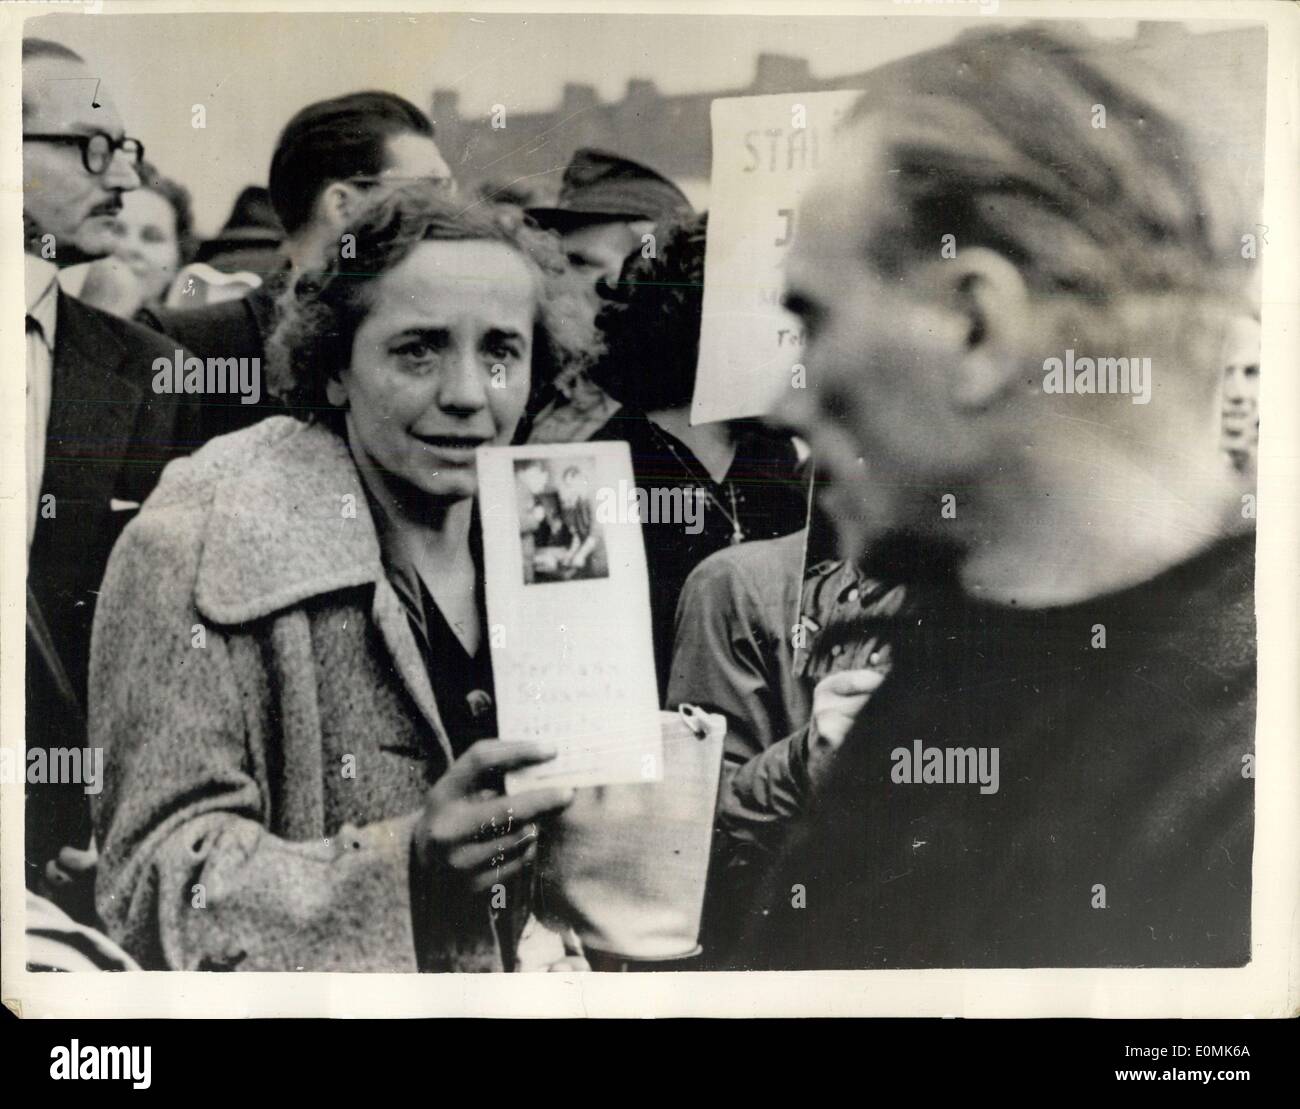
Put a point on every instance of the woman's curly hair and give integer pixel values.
(650, 321)
(320, 312)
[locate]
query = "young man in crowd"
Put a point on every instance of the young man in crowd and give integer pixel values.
(1240, 399)
(329, 154)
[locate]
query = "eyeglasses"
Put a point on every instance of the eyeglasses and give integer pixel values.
(97, 149)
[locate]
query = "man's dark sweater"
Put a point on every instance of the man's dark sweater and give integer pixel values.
(1121, 830)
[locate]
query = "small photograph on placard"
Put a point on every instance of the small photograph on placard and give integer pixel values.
(560, 538)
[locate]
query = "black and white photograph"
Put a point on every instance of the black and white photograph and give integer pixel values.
(940, 610)
(560, 536)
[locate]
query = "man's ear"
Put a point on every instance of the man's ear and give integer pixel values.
(989, 293)
(336, 393)
(336, 202)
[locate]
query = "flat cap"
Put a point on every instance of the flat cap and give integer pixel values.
(599, 187)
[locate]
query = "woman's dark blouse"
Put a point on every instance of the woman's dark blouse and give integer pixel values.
(771, 499)
(462, 683)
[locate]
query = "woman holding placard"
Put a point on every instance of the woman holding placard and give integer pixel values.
(291, 676)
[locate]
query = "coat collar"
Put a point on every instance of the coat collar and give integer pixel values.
(288, 523)
(291, 521)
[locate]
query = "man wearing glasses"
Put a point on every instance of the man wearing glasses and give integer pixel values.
(99, 155)
(97, 436)
(77, 160)
(329, 155)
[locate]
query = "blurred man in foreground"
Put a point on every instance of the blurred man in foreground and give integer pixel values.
(1060, 770)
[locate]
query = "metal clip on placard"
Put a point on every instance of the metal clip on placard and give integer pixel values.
(695, 719)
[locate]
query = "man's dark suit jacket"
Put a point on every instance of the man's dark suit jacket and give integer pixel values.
(108, 438)
(230, 329)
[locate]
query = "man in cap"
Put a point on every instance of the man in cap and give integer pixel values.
(251, 237)
(607, 204)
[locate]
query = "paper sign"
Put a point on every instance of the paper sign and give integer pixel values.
(766, 149)
(568, 605)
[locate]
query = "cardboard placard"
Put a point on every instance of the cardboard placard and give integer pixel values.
(568, 604)
(765, 151)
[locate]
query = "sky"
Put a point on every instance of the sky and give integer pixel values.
(252, 71)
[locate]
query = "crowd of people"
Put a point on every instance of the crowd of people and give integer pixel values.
(270, 617)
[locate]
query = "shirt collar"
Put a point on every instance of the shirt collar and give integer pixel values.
(394, 539)
(41, 286)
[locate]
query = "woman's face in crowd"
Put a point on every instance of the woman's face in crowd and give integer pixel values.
(442, 363)
(145, 238)
(1240, 407)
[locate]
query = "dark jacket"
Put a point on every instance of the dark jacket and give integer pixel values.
(229, 329)
(764, 489)
(108, 439)
(756, 630)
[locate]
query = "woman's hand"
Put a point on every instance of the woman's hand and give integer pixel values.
(837, 700)
(470, 828)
